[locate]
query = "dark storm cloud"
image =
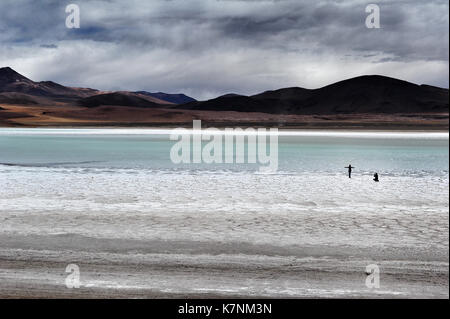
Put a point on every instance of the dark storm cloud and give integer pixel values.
(208, 47)
(405, 32)
(23, 20)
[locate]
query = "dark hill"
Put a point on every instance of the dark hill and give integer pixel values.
(8, 76)
(172, 98)
(117, 98)
(364, 94)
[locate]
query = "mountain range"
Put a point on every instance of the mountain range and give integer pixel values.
(370, 98)
(364, 94)
(18, 89)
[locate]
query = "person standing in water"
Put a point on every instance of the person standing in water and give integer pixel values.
(375, 177)
(350, 167)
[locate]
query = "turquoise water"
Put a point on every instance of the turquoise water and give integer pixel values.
(296, 153)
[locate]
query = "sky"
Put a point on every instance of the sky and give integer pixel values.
(206, 48)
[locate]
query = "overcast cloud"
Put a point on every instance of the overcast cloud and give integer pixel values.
(206, 48)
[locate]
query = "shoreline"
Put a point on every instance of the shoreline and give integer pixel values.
(156, 128)
(356, 128)
(132, 117)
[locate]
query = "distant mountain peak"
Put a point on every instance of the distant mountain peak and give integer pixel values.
(6, 69)
(8, 75)
(230, 95)
(14, 82)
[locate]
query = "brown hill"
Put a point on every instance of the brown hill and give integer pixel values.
(11, 81)
(26, 92)
(18, 98)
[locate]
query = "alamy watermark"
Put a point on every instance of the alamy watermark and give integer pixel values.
(373, 19)
(229, 146)
(73, 19)
(73, 279)
(373, 276)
